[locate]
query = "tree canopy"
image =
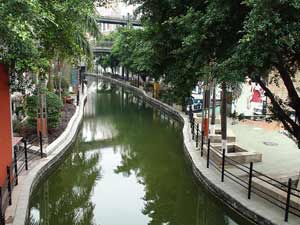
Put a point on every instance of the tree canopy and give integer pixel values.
(34, 32)
(187, 41)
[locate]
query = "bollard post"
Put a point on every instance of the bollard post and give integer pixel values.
(26, 157)
(2, 215)
(223, 165)
(288, 198)
(250, 180)
(197, 135)
(202, 142)
(41, 144)
(190, 113)
(208, 153)
(16, 167)
(77, 97)
(8, 184)
(193, 128)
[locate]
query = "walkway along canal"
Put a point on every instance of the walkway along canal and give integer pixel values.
(126, 167)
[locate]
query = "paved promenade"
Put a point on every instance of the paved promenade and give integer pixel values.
(229, 192)
(251, 137)
(281, 156)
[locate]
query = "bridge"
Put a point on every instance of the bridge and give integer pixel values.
(119, 21)
(102, 47)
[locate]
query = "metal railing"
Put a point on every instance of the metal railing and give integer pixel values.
(290, 197)
(284, 195)
(21, 159)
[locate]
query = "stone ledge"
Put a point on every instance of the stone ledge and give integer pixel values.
(55, 152)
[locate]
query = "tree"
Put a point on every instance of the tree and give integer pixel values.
(54, 107)
(33, 34)
(270, 43)
(226, 41)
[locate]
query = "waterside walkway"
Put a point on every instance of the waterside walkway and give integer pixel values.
(234, 195)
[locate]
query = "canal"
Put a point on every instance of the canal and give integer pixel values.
(126, 167)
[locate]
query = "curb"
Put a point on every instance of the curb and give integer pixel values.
(55, 151)
(206, 177)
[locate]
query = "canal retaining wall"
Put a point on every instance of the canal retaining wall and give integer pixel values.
(230, 194)
(234, 196)
(17, 213)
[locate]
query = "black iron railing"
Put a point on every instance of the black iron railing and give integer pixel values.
(22, 156)
(282, 195)
(290, 197)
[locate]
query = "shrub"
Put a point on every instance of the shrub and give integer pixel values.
(64, 82)
(54, 106)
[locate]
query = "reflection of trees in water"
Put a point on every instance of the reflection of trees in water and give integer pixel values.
(150, 150)
(64, 199)
(153, 152)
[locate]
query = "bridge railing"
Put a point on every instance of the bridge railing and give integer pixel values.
(123, 18)
(101, 44)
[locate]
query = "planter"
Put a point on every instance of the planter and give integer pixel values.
(236, 153)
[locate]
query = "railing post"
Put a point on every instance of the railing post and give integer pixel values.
(41, 144)
(77, 96)
(208, 153)
(288, 197)
(193, 128)
(16, 167)
(197, 135)
(223, 165)
(202, 142)
(2, 215)
(26, 157)
(8, 184)
(250, 180)
(190, 113)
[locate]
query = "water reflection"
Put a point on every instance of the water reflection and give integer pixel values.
(64, 198)
(126, 167)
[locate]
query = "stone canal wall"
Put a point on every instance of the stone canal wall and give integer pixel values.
(256, 210)
(17, 213)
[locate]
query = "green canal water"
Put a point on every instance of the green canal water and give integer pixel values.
(126, 167)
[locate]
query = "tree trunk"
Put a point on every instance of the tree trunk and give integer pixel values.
(290, 125)
(203, 107)
(224, 117)
(59, 76)
(207, 111)
(59, 84)
(213, 113)
(50, 85)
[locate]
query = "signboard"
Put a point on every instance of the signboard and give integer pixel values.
(251, 102)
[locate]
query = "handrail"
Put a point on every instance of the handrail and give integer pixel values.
(18, 164)
(287, 189)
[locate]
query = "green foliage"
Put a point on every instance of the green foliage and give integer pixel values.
(54, 106)
(64, 83)
(35, 32)
(224, 41)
